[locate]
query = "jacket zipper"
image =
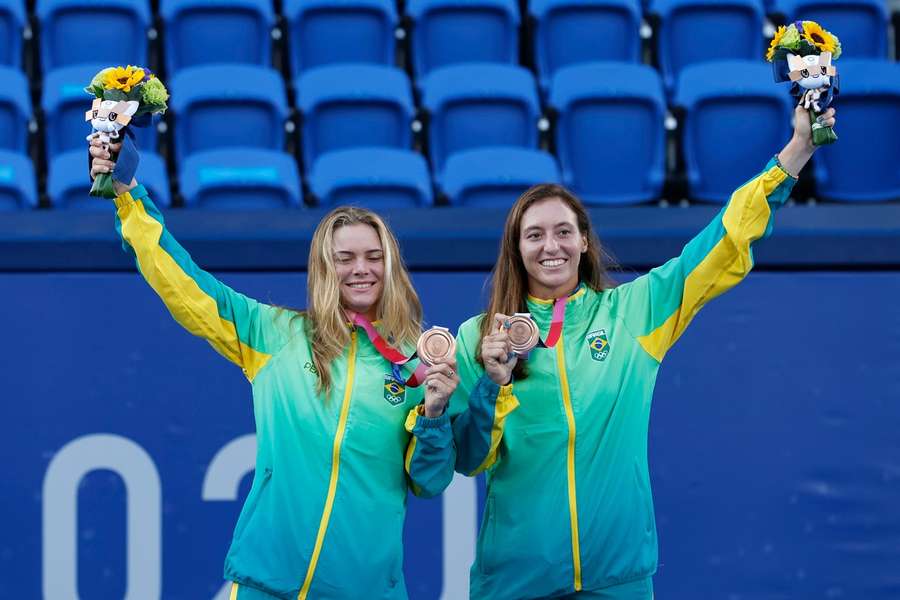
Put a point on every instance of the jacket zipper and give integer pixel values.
(335, 469)
(570, 460)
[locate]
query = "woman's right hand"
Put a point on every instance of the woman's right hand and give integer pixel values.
(496, 352)
(101, 163)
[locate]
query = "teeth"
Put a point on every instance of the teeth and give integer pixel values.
(361, 286)
(553, 263)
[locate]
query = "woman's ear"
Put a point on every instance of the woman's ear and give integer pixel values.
(584, 243)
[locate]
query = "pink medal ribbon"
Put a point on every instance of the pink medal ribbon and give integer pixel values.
(556, 322)
(391, 354)
(524, 333)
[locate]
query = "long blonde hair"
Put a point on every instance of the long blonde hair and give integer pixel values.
(398, 310)
(509, 285)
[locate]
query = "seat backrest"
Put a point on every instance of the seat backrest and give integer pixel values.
(64, 25)
(200, 32)
(569, 32)
(693, 31)
(609, 132)
(733, 124)
(346, 106)
(861, 25)
(228, 105)
(365, 29)
(241, 179)
(495, 177)
(372, 177)
(15, 110)
(863, 164)
(18, 188)
(479, 105)
(447, 32)
(64, 103)
(12, 20)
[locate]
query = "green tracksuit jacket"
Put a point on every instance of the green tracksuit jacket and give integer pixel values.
(568, 503)
(324, 517)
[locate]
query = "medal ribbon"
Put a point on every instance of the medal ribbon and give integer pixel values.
(556, 321)
(391, 354)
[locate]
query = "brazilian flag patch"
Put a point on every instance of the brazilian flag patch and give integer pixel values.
(394, 391)
(598, 344)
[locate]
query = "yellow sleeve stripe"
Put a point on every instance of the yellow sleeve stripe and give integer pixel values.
(506, 403)
(745, 220)
(411, 447)
(190, 306)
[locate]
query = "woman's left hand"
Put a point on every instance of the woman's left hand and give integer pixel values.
(799, 150)
(803, 128)
(441, 380)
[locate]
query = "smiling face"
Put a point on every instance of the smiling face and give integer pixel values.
(359, 265)
(551, 247)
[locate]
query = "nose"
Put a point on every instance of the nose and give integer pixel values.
(551, 245)
(360, 267)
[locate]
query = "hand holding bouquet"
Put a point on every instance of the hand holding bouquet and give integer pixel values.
(123, 96)
(803, 53)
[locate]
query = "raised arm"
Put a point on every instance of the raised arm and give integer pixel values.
(658, 306)
(241, 329)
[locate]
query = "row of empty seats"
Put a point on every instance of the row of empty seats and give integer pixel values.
(228, 137)
(443, 32)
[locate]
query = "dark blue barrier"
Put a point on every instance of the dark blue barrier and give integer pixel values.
(775, 456)
(446, 238)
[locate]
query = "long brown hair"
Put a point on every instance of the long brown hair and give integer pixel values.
(509, 279)
(398, 310)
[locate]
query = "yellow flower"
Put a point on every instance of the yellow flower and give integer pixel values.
(818, 37)
(124, 79)
(770, 54)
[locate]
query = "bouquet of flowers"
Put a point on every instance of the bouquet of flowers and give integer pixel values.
(123, 96)
(802, 53)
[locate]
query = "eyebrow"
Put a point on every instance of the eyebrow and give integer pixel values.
(350, 252)
(560, 224)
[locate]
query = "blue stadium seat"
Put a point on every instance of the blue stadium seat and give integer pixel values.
(569, 32)
(365, 29)
(241, 179)
(346, 106)
(495, 177)
(201, 32)
(12, 22)
(15, 110)
(64, 102)
(68, 182)
(18, 189)
(693, 31)
(609, 133)
(479, 105)
(864, 164)
(732, 125)
(861, 25)
(447, 32)
(372, 177)
(64, 24)
(228, 105)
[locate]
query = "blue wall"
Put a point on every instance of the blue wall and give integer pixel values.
(775, 456)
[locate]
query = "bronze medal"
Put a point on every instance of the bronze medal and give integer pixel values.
(435, 344)
(523, 333)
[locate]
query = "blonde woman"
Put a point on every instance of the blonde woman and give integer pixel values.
(339, 438)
